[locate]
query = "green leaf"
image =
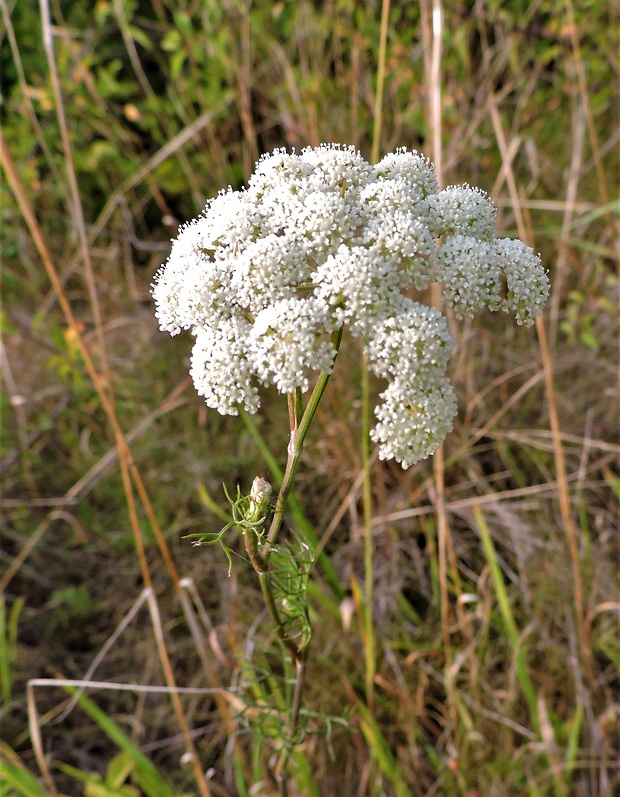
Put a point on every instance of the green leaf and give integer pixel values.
(119, 769)
(176, 63)
(15, 779)
(171, 41)
(297, 512)
(145, 773)
(141, 36)
(382, 754)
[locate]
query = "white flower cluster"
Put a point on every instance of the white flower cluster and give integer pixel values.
(321, 239)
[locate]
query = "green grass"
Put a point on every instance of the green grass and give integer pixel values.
(493, 655)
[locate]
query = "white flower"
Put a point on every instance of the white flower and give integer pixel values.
(527, 284)
(287, 342)
(221, 370)
(411, 350)
(470, 273)
(414, 169)
(360, 286)
(462, 210)
(267, 270)
(415, 339)
(191, 287)
(399, 230)
(324, 220)
(337, 168)
(320, 240)
(414, 418)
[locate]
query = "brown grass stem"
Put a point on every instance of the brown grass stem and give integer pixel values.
(126, 460)
(76, 201)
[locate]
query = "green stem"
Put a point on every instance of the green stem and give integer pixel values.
(299, 425)
(369, 629)
(259, 562)
(376, 137)
(299, 431)
(272, 606)
(300, 671)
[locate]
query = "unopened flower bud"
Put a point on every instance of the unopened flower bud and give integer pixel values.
(259, 498)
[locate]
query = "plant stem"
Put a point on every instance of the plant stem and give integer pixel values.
(272, 606)
(259, 562)
(369, 628)
(300, 671)
(299, 430)
(299, 422)
(378, 116)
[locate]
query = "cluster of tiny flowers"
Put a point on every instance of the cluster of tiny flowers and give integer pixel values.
(320, 240)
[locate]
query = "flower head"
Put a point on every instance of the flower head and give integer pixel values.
(414, 418)
(287, 342)
(322, 239)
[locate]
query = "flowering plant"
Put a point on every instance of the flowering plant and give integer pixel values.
(266, 279)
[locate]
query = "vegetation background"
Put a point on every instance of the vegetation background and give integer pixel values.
(494, 655)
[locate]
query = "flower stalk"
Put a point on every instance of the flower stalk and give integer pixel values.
(298, 431)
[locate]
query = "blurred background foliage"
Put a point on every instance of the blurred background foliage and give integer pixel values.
(165, 104)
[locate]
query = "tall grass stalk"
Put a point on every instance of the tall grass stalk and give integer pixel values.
(518, 647)
(369, 623)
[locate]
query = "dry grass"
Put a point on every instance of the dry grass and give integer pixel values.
(495, 570)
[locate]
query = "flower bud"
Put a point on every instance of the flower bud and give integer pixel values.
(259, 498)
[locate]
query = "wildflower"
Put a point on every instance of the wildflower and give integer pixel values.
(286, 344)
(414, 418)
(462, 210)
(320, 240)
